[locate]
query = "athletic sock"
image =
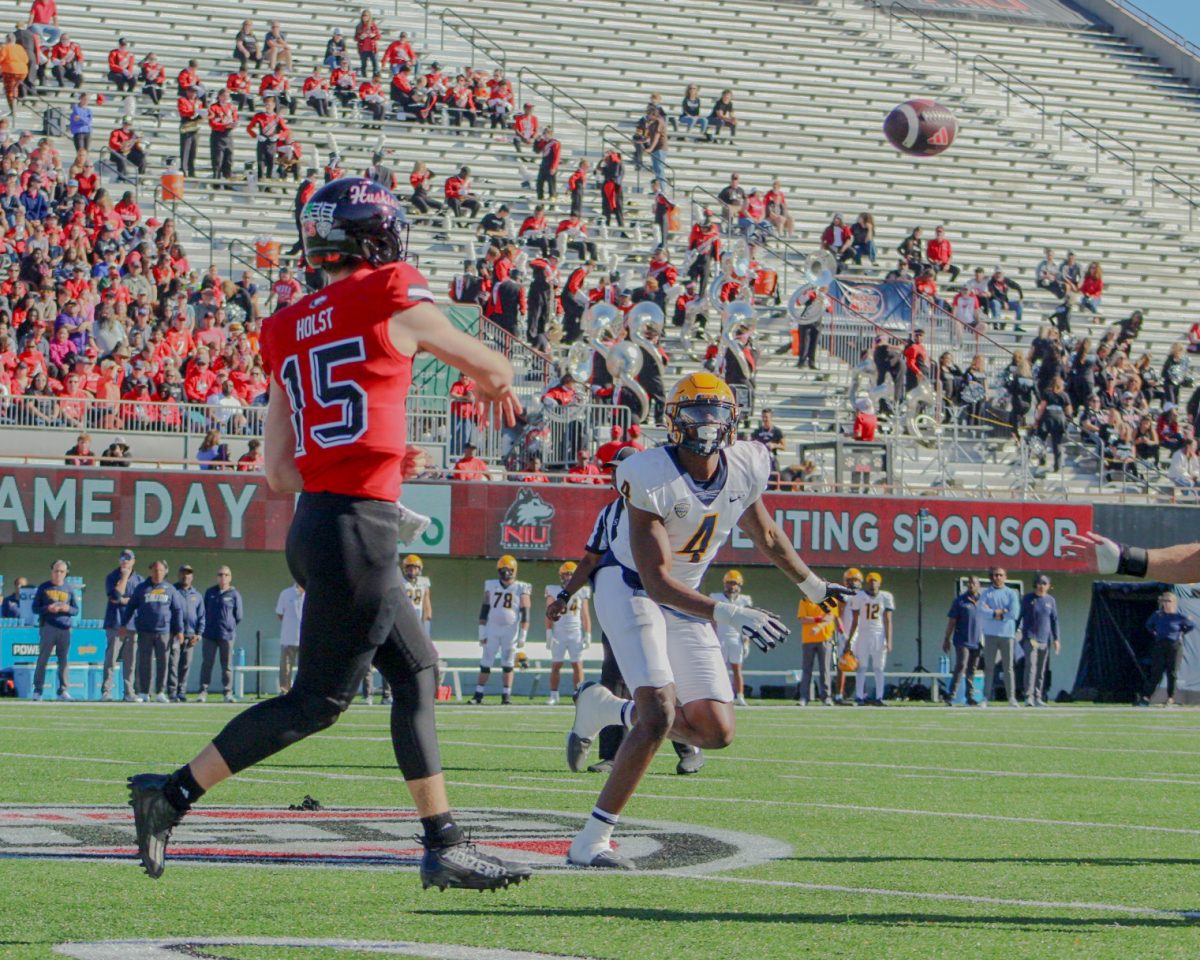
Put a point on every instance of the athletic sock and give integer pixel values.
(479, 690)
(599, 827)
(182, 790)
(626, 714)
(441, 830)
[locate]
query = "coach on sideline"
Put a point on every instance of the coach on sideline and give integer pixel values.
(222, 614)
(118, 588)
(1002, 608)
(1039, 629)
(54, 604)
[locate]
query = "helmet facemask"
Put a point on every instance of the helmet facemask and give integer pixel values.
(703, 427)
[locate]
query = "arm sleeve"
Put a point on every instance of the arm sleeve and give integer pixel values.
(237, 607)
(279, 604)
(73, 602)
(1054, 622)
(201, 617)
(176, 612)
(110, 587)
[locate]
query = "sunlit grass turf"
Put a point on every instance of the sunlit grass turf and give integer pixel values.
(869, 800)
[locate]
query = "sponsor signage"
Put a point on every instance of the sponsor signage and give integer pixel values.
(543, 521)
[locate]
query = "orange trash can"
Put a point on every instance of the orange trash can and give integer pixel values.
(266, 253)
(172, 185)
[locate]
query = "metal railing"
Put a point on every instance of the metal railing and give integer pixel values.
(1175, 185)
(1013, 86)
(173, 204)
(475, 39)
(1101, 139)
(934, 33)
(531, 367)
(610, 134)
(250, 261)
(1173, 35)
(571, 106)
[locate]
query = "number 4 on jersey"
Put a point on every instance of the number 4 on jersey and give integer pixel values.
(328, 393)
(697, 544)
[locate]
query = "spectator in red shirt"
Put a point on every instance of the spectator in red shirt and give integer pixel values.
(608, 450)
(551, 150)
(399, 54)
(238, 85)
(525, 128)
(585, 470)
(459, 196)
(66, 62)
(154, 78)
(43, 19)
(121, 66)
(939, 252)
(370, 94)
(916, 361)
(277, 84)
(533, 471)
(470, 468)
(125, 148)
(200, 382)
(366, 36)
(286, 290)
(420, 179)
(252, 460)
(1091, 288)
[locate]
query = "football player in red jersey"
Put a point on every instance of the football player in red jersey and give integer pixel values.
(340, 361)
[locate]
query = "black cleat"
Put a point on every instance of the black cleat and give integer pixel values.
(153, 818)
(505, 700)
(601, 766)
(463, 866)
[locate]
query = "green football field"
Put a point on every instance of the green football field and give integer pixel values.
(823, 832)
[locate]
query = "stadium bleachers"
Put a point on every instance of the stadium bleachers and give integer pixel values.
(812, 82)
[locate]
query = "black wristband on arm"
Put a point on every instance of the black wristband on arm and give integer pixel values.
(563, 596)
(1133, 561)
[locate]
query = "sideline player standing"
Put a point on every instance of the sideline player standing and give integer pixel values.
(341, 365)
(419, 591)
(872, 611)
(570, 633)
(503, 626)
(733, 644)
(682, 502)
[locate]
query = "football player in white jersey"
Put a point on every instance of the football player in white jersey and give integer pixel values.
(733, 643)
(683, 500)
(871, 627)
(419, 590)
(503, 625)
(570, 633)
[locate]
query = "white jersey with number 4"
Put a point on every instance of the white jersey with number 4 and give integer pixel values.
(698, 517)
(730, 634)
(870, 613)
(504, 603)
(570, 625)
(416, 591)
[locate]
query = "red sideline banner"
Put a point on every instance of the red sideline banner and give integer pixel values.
(553, 522)
(213, 510)
(218, 510)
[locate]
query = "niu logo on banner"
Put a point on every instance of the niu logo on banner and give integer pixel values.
(941, 138)
(526, 523)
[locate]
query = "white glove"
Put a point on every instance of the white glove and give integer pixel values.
(761, 626)
(412, 524)
(482, 633)
(522, 637)
(1101, 555)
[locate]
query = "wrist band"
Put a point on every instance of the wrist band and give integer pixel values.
(563, 596)
(1133, 561)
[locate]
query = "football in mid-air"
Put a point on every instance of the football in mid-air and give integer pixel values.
(920, 128)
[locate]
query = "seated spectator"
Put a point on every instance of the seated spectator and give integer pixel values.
(153, 76)
(240, 91)
(912, 251)
(733, 198)
(534, 472)
(225, 410)
(1046, 275)
(189, 79)
(316, 91)
(1120, 459)
(276, 48)
(1091, 288)
(689, 111)
(66, 63)
(125, 148)
(1070, 276)
(495, 225)
(501, 100)
(276, 84)
(116, 454)
(571, 234)
(121, 66)
(470, 468)
(838, 239)
(939, 253)
(1145, 440)
(335, 48)
(81, 455)
(245, 46)
(213, 454)
(1174, 373)
(862, 232)
(585, 469)
(1129, 328)
(1004, 294)
(252, 460)
(458, 194)
(722, 116)
(1184, 471)
(370, 95)
(752, 222)
(400, 53)
(1094, 423)
(525, 128)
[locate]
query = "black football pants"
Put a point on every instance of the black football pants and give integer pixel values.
(342, 550)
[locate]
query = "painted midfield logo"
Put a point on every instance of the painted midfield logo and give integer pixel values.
(379, 839)
(526, 524)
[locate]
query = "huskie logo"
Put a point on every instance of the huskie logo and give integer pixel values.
(318, 218)
(526, 523)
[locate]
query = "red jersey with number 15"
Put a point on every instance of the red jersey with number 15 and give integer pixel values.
(346, 383)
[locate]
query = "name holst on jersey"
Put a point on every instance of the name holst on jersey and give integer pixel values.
(312, 324)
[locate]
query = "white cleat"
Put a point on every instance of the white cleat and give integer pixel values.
(552, 699)
(230, 698)
(65, 696)
(740, 701)
(161, 698)
(597, 856)
(590, 701)
(202, 697)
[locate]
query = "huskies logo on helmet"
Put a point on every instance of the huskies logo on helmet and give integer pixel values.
(318, 218)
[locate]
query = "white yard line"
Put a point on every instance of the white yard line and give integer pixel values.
(944, 897)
